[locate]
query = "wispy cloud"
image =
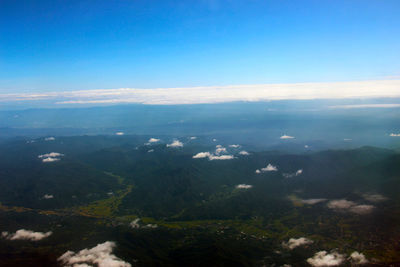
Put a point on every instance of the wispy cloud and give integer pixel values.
(47, 196)
(350, 206)
(395, 135)
(313, 201)
(217, 94)
(286, 137)
(365, 106)
(119, 133)
(244, 153)
(23, 234)
(100, 255)
(244, 186)
(290, 175)
(51, 138)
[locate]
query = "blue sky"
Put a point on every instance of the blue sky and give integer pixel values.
(79, 45)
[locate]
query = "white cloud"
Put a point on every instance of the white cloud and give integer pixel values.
(150, 150)
(350, 206)
(49, 159)
(175, 143)
(154, 140)
(374, 197)
(322, 258)
(289, 175)
(23, 234)
(51, 155)
(214, 140)
(234, 146)
(258, 171)
(135, 223)
(119, 133)
(313, 201)
(296, 242)
(46, 196)
(244, 153)
(211, 156)
(202, 155)
(220, 150)
(269, 168)
(365, 106)
(49, 139)
(193, 138)
(217, 94)
(286, 137)
(100, 255)
(395, 135)
(358, 258)
(222, 157)
(244, 186)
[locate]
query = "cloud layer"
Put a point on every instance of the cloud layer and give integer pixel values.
(218, 94)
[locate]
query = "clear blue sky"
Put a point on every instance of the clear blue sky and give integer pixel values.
(70, 45)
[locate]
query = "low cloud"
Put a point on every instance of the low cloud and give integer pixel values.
(202, 155)
(289, 175)
(49, 139)
(244, 153)
(50, 157)
(313, 201)
(153, 140)
(175, 143)
(234, 146)
(217, 155)
(100, 255)
(269, 168)
(350, 206)
(244, 186)
(150, 150)
(374, 197)
(193, 138)
(119, 133)
(135, 223)
(365, 106)
(323, 258)
(220, 150)
(222, 157)
(358, 258)
(46, 196)
(23, 234)
(286, 137)
(296, 242)
(395, 135)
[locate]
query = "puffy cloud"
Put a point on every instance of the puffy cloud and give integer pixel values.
(154, 140)
(100, 255)
(49, 159)
(244, 153)
(215, 156)
(350, 206)
(49, 139)
(46, 196)
(323, 258)
(313, 201)
(175, 143)
(296, 242)
(23, 234)
(244, 186)
(218, 94)
(119, 133)
(395, 135)
(374, 197)
(258, 171)
(202, 155)
(51, 155)
(234, 146)
(286, 137)
(358, 258)
(214, 140)
(193, 138)
(269, 168)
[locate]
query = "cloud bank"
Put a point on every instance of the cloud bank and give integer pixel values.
(101, 255)
(23, 234)
(218, 94)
